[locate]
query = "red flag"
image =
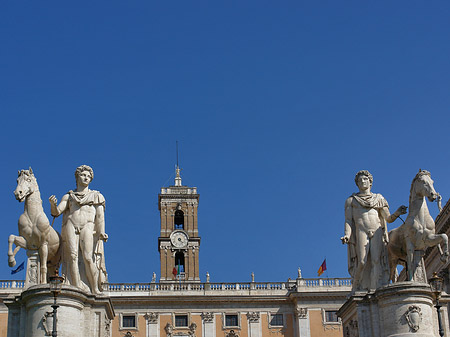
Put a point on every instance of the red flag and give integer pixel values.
(174, 272)
(322, 268)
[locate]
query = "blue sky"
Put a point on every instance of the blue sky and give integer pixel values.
(276, 106)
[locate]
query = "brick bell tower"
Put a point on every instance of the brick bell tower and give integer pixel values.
(179, 243)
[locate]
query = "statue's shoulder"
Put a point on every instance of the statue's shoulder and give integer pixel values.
(99, 199)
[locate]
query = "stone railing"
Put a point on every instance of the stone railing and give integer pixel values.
(197, 287)
(11, 286)
(254, 287)
(325, 282)
(278, 287)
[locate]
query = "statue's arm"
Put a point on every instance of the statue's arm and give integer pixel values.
(392, 217)
(348, 221)
(56, 209)
(100, 222)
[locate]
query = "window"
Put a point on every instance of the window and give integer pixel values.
(179, 219)
(128, 321)
(231, 320)
(181, 321)
(179, 262)
(276, 320)
(331, 316)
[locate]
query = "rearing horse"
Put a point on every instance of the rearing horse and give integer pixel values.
(419, 231)
(35, 232)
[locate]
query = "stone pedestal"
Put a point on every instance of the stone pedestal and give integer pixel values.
(403, 309)
(80, 314)
(33, 269)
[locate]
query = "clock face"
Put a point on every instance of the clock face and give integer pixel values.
(179, 239)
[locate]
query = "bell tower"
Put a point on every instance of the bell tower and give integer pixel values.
(179, 243)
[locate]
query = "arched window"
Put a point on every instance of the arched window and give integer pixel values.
(179, 219)
(179, 262)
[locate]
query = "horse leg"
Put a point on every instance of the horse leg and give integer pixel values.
(410, 259)
(43, 253)
(437, 239)
(20, 242)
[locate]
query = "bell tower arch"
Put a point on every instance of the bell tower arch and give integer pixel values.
(179, 243)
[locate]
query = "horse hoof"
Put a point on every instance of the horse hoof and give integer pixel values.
(11, 261)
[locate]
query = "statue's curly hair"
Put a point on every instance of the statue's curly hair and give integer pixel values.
(84, 168)
(363, 173)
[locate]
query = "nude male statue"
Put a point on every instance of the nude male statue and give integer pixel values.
(83, 230)
(366, 234)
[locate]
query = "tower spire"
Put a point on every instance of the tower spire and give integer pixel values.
(177, 171)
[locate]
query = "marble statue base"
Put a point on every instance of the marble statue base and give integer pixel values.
(80, 314)
(403, 309)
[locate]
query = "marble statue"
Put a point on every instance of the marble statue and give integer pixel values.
(299, 272)
(83, 233)
(35, 232)
(207, 277)
(253, 277)
(366, 214)
(409, 241)
(153, 277)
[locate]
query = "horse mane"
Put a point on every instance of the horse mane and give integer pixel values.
(418, 175)
(26, 172)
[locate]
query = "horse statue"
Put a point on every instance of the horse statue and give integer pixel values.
(417, 233)
(35, 232)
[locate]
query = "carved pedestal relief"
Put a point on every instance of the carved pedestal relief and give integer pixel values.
(414, 317)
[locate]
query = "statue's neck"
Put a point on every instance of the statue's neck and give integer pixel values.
(364, 192)
(82, 189)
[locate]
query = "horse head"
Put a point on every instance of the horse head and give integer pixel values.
(422, 186)
(26, 184)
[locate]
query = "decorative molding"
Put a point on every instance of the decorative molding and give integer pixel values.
(169, 329)
(301, 312)
(44, 322)
(128, 334)
(351, 330)
(192, 329)
(414, 317)
(253, 316)
(107, 326)
(208, 317)
(333, 327)
(151, 317)
(231, 334)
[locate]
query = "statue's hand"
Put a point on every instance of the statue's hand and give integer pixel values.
(53, 200)
(345, 239)
(103, 236)
(402, 209)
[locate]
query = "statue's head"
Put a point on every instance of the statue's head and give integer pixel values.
(26, 184)
(81, 169)
(363, 173)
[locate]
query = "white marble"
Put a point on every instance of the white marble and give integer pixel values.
(403, 309)
(79, 313)
(366, 215)
(83, 233)
(35, 233)
(410, 240)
